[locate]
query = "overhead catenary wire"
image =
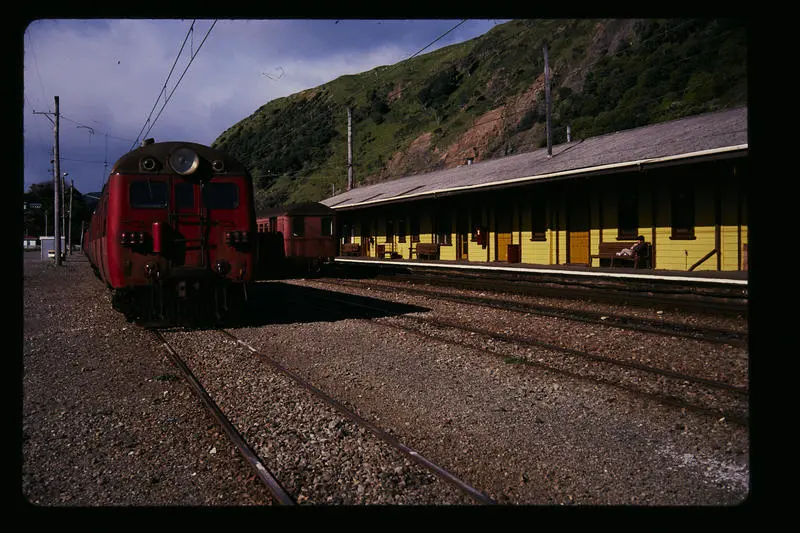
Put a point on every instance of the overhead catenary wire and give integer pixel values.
(166, 81)
(164, 87)
(308, 101)
(194, 55)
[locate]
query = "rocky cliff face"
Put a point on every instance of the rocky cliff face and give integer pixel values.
(485, 138)
(482, 140)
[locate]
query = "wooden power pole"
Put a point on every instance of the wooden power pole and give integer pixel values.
(69, 233)
(547, 101)
(57, 189)
(349, 149)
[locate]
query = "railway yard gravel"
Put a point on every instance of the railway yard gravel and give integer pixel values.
(107, 421)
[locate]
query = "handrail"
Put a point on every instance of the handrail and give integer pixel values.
(704, 259)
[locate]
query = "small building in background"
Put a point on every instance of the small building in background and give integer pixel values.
(29, 243)
(49, 243)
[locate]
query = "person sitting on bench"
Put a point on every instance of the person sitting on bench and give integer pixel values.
(634, 251)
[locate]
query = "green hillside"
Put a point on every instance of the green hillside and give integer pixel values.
(607, 75)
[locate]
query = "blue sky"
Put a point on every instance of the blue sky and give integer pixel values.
(110, 77)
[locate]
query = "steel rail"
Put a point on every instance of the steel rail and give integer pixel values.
(723, 336)
(412, 454)
(263, 474)
(742, 420)
(505, 337)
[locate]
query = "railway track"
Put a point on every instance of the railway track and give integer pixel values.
(279, 491)
(723, 301)
(692, 392)
(646, 325)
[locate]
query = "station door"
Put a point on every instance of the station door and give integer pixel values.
(578, 227)
(503, 234)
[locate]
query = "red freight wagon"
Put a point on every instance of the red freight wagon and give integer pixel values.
(296, 239)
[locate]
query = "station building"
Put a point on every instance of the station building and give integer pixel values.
(680, 184)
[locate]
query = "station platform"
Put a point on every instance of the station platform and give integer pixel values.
(720, 289)
(710, 277)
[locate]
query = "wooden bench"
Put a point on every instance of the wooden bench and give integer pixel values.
(427, 250)
(381, 251)
(351, 248)
(608, 250)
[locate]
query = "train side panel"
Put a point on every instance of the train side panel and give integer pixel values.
(296, 239)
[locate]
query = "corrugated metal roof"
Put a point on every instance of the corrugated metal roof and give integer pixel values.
(701, 135)
(303, 208)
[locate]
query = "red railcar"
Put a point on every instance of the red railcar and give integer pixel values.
(297, 239)
(173, 234)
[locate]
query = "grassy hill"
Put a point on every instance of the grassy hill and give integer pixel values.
(485, 98)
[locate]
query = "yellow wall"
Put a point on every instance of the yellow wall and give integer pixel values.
(654, 192)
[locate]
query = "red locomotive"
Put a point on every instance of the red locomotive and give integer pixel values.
(173, 234)
(296, 239)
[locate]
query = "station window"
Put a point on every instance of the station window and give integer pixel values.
(401, 230)
(477, 222)
(539, 218)
(298, 226)
(414, 229)
(444, 230)
(628, 215)
(389, 230)
(682, 211)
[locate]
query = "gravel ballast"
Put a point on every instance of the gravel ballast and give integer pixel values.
(102, 400)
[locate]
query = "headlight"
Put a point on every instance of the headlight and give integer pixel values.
(222, 267)
(184, 161)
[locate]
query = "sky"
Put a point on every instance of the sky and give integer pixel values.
(120, 81)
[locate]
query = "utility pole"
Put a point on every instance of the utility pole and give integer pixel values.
(58, 192)
(56, 184)
(547, 101)
(64, 203)
(69, 238)
(57, 179)
(349, 149)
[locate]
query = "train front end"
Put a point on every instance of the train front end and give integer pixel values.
(184, 232)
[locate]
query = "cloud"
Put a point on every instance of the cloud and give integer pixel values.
(110, 75)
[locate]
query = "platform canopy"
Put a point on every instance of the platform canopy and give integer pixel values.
(721, 134)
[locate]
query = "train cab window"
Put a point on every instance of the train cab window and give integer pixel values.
(298, 226)
(327, 226)
(184, 195)
(224, 195)
(148, 194)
